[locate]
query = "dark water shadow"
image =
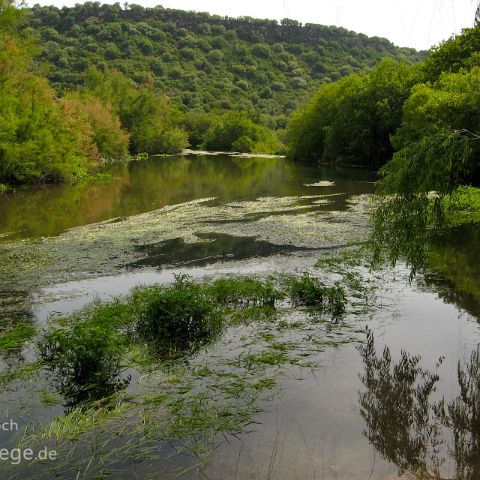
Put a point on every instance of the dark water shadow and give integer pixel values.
(218, 247)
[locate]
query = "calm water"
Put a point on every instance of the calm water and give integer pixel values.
(140, 187)
(215, 216)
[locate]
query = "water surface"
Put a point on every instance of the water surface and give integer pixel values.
(63, 246)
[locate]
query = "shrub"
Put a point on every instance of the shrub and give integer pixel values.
(215, 56)
(236, 131)
(85, 355)
(298, 82)
(243, 144)
(261, 51)
(109, 137)
(177, 317)
(197, 124)
(310, 292)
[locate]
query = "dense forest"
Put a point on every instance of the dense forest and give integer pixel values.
(203, 61)
(102, 82)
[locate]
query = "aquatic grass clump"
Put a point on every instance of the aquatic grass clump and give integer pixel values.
(307, 291)
(178, 317)
(17, 336)
(244, 292)
(336, 300)
(310, 292)
(116, 314)
(84, 355)
(23, 372)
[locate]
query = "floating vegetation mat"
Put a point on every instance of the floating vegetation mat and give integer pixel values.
(321, 183)
(109, 247)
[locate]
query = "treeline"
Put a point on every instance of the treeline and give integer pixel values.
(417, 119)
(247, 28)
(421, 125)
(350, 121)
(204, 62)
(44, 138)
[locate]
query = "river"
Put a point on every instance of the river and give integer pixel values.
(337, 410)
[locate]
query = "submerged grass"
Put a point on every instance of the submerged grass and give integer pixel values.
(17, 336)
(85, 351)
(308, 291)
(23, 372)
(245, 292)
(189, 397)
(84, 356)
(83, 419)
(176, 318)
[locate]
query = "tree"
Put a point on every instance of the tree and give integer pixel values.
(41, 140)
(351, 120)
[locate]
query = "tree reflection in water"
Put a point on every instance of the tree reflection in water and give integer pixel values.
(462, 416)
(411, 430)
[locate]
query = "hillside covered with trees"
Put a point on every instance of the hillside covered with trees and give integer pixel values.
(202, 61)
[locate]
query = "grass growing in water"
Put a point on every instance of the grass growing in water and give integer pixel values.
(310, 292)
(85, 356)
(244, 292)
(189, 401)
(22, 372)
(85, 350)
(15, 337)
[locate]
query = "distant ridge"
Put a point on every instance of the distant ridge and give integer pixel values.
(204, 61)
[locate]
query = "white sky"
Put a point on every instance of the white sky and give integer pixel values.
(411, 23)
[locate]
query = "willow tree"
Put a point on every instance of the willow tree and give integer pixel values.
(437, 151)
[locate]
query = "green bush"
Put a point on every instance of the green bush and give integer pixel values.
(310, 292)
(243, 144)
(109, 137)
(197, 125)
(235, 131)
(85, 354)
(178, 317)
